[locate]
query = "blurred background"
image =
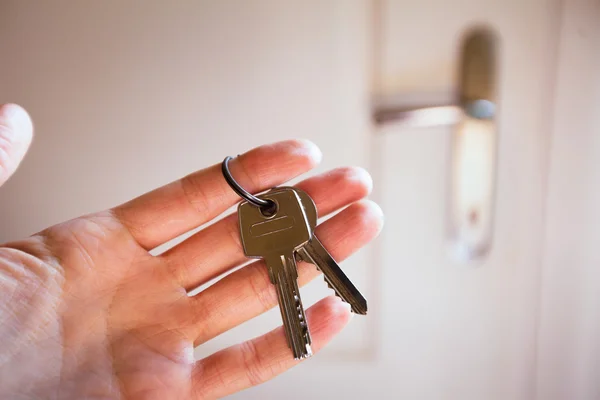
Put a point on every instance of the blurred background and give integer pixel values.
(485, 282)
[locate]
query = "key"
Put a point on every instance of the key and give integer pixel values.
(275, 235)
(315, 253)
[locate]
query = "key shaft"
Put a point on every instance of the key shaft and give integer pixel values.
(284, 275)
(275, 237)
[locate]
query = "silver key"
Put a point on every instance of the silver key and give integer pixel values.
(275, 237)
(315, 253)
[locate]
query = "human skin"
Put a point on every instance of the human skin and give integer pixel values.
(86, 312)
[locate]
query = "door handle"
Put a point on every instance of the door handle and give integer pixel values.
(472, 169)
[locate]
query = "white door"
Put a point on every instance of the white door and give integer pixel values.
(449, 329)
(155, 90)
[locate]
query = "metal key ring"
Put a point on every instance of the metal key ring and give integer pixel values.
(264, 204)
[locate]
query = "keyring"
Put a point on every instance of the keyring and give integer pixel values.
(263, 204)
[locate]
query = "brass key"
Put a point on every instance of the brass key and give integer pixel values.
(315, 253)
(274, 234)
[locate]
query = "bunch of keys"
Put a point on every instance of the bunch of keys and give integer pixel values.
(278, 227)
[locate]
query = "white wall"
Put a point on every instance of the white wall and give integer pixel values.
(130, 95)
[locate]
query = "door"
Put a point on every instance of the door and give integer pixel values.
(452, 329)
(190, 82)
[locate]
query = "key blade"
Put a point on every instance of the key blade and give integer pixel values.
(314, 253)
(275, 236)
(285, 278)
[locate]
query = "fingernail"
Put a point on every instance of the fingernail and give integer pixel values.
(18, 119)
(374, 212)
(12, 112)
(310, 150)
(360, 175)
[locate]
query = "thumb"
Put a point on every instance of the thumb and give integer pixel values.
(16, 132)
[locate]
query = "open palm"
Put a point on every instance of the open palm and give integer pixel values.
(87, 312)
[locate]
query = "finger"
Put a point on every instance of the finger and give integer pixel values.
(180, 206)
(217, 248)
(16, 133)
(248, 292)
(263, 358)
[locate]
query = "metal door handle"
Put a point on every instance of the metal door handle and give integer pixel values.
(474, 138)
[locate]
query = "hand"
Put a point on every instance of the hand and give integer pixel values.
(87, 312)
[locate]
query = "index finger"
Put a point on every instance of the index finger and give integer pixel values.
(167, 212)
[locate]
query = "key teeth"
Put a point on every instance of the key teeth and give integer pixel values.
(331, 287)
(335, 291)
(355, 310)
